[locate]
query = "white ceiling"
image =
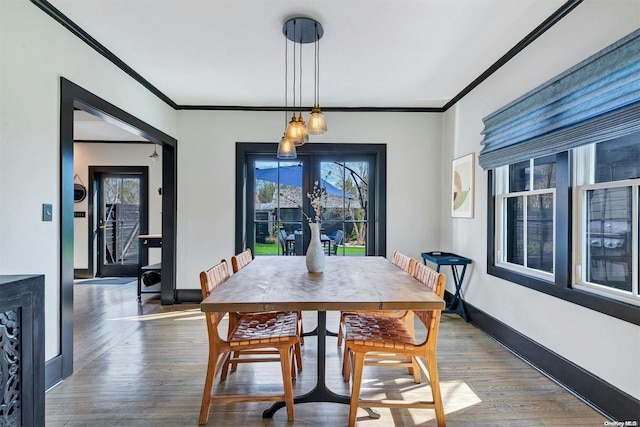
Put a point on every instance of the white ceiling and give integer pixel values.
(87, 127)
(384, 53)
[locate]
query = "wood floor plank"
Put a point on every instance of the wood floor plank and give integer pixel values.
(144, 365)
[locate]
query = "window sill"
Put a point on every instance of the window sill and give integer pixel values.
(620, 310)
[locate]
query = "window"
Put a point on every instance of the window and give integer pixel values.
(607, 177)
(595, 192)
(525, 217)
(576, 239)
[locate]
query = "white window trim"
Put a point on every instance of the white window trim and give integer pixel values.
(580, 217)
(502, 194)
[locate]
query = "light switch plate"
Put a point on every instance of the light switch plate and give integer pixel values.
(47, 212)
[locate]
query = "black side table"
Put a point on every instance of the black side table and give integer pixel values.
(147, 241)
(455, 261)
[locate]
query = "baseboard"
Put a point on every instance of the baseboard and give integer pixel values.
(188, 296)
(82, 273)
(52, 372)
(602, 396)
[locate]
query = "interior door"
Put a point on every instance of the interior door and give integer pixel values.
(121, 217)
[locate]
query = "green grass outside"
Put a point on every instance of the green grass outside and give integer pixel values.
(272, 249)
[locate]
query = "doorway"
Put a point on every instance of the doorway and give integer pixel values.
(272, 202)
(119, 197)
(74, 97)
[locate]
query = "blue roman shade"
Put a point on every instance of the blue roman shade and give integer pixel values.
(596, 100)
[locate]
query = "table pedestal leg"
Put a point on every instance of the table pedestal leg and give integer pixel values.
(320, 392)
(314, 333)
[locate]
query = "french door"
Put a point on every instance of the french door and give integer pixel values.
(277, 205)
(121, 217)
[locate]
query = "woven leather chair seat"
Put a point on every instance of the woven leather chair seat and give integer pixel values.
(238, 262)
(382, 332)
(264, 327)
(401, 261)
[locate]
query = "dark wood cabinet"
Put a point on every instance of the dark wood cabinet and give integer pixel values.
(21, 350)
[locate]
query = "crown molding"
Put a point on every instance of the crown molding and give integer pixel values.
(67, 23)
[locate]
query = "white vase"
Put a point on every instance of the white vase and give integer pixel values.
(315, 251)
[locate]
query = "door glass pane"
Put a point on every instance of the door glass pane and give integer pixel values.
(608, 240)
(120, 219)
(540, 232)
(515, 230)
(278, 201)
(346, 220)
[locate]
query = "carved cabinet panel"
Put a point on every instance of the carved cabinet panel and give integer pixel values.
(21, 351)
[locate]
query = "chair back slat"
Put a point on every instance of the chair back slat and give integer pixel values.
(241, 260)
(403, 261)
(435, 282)
(209, 280)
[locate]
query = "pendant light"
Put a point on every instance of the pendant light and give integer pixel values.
(155, 156)
(303, 30)
(317, 124)
(286, 147)
(294, 130)
(304, 133)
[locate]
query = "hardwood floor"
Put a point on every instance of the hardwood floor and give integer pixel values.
(145, 364)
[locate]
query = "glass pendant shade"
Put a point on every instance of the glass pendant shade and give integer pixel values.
(154, 156)
(317, 124)
(303, 130)
(295, 131)
(286, 149)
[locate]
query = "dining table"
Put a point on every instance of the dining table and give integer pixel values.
(354, 283)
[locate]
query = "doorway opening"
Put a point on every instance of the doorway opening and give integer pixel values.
(272, 206)
(74, 97)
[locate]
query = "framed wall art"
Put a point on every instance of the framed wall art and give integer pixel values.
(462, 191)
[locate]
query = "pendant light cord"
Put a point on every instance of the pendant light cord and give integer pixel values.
(286, 77)
(315, 66)
(300, 103)
(294, 69)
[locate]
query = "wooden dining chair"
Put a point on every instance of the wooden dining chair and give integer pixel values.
(368, 333)
(388, 358)
(232, 360)
(270, 330)
(241, 260)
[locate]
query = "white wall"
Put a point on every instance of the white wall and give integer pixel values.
(35, 51)
(605, 346)
(206, 171)
(114, 154)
